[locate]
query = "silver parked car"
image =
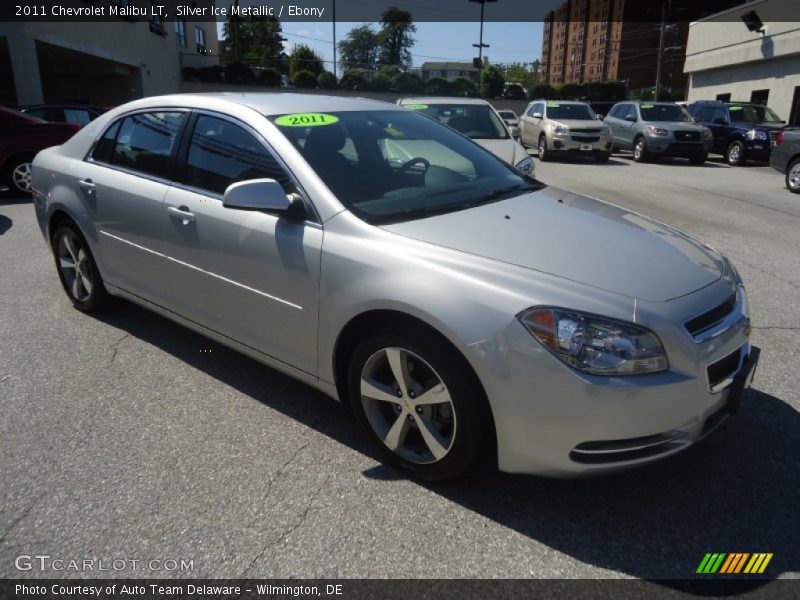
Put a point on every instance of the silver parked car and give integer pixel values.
(479, 121)
(653, 129)
(460, 307)
(561, 127)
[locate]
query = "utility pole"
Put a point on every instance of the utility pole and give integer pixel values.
(660, 49)
(334, 38)
(480, 45)
(236, 32)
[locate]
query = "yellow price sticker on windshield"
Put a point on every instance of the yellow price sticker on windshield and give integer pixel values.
(416, 106)
(306, 120)
(553, 105)
(647, 106)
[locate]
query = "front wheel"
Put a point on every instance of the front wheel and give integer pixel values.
(734, 155)
(793, 177)
(77, 269)
(544, 153)
(640, 150)
(419, 403)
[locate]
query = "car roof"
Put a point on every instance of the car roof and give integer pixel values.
(561, 101)
(442, 100)
(266, 103)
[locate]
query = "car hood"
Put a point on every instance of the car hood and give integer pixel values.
(576, 238)
(509, 150)
(676, 125)
(748, 125)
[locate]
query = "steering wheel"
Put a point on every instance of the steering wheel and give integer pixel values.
(415, 161)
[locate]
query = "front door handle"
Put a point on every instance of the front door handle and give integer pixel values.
(87, 185)
(182, 213)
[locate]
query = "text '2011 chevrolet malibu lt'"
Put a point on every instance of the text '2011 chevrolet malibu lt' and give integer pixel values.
(464, 309)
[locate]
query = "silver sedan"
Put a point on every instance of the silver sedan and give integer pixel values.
(466, 311)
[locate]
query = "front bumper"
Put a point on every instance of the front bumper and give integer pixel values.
(555, 421)
(667, 146)
(580, 144)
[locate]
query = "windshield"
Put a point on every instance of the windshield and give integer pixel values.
(750, 113)
(392, 166)
(664, 112)
(578, 112)
(477, 121)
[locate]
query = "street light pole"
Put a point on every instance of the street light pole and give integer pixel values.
(660, 50)
(334, 38)
(480, 45)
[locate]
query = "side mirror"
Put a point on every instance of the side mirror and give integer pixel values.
(537, 115)
(695, 120)
(631, 118)
(514, 131)
(266, 195)
(600, 117)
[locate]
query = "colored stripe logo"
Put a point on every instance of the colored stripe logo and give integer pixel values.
(734, 563)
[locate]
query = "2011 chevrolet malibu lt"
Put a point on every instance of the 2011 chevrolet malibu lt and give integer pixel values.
(465, 310)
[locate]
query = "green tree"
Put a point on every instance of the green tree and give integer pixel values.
(327, 81)
(408, 83)
(359, 49)
(492, 82)
(354, 80)
(463, 86)
(520, 73)
(543, 91)
(304, 58)
(253, 39)
(381, 82)
(437, 86)
(396, 38)
(305, 79)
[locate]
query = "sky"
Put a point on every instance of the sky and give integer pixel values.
(509, 42)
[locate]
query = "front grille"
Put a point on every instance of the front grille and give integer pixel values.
(723, 368)
(711, 318)
(592, 131)
(687, 136)
(585, 139)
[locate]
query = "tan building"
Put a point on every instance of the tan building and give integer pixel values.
(104, 63)
(594, 40)
(727, 61)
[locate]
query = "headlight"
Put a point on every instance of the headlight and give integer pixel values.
(560, 130)
(596, 345)
(525, 166)
(757, 134)
(707, 134)
(657, 131)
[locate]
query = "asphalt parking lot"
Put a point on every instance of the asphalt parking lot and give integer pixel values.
(128, 436)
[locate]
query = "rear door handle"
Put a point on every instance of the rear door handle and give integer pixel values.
(182, 213)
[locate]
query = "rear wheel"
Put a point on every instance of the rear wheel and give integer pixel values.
(17, 175)
(734, 155)
(544, 153)
(77, 269)
(793, 176)
(419, 404)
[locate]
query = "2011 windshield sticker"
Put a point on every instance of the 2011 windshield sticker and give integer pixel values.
(306, 120)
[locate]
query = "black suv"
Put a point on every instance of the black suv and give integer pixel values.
(742, 131)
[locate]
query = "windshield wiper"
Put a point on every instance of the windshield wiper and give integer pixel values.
(506, 192)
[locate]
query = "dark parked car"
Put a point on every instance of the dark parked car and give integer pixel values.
(64, 113)
(786, 157)
(21, 137)
(742, 131)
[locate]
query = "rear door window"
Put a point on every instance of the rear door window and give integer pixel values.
(146, 140)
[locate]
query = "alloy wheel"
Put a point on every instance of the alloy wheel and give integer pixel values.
(542, 148)
(21, 177)
(73, 261)
(793, 177)
(408, 405)
(734, 154)
(638, 150)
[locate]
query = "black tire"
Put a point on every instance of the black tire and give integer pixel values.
(82, 284)
(602, 157)
(640, 153)
(16, 175)
(735, 154)
(470, 425)
(793, 177)
(698, 159)
(544, 153)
